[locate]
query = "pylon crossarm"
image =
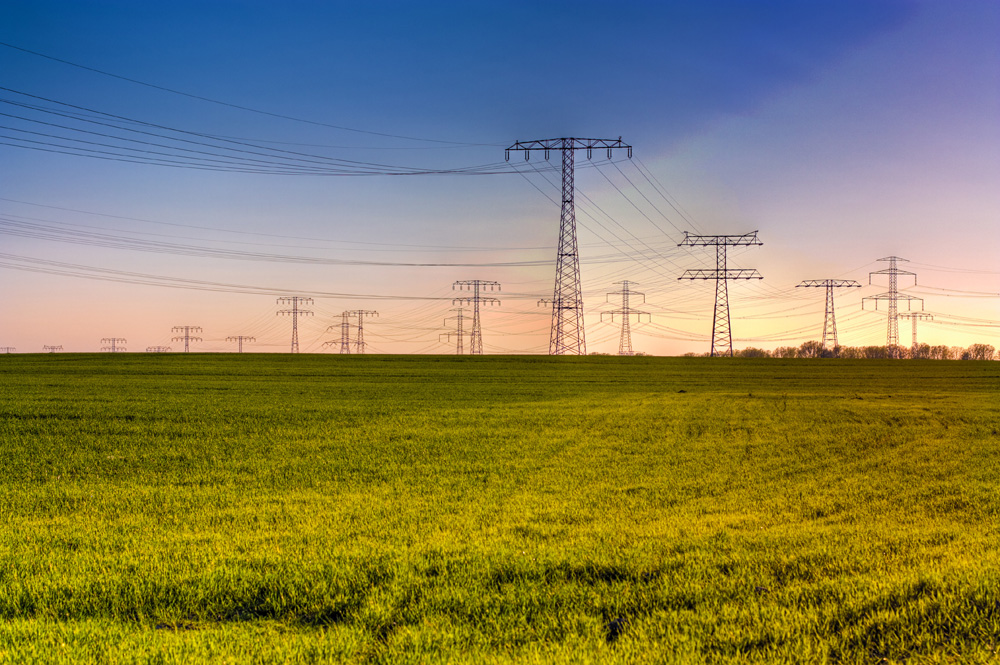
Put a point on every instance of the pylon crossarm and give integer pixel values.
(740, 240)
(730, 273)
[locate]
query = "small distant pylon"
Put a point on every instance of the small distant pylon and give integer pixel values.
(829, 320)
(722, 338)
(359, 341)
(295, 312)
(50, 348)
(7, 349)
(114, 344)
(459, 333)
(186, 335)
(626, 312)
(345, 332)
(240, 339)
(157, 349)
(893, 296)
(914, 317)
(476, 285)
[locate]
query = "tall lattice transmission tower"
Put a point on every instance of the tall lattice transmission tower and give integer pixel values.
(722, 338)
(476, 286)
(295, 312)
(186, 334)
(626, 312)
(830, 318)
(567, 334)
(240, 339)
(345, 332)
(114, 344)
(459, 333)
(157, 349)
(914, 317)
(359, 340)
(893, 296)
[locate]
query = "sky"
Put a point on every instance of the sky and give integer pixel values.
(188, 163)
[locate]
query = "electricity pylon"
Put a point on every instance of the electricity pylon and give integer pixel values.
(239, 339)
(49, 348)
(722, 338)
(829, 320)
(186, 335)
(295, 311)
(626, 312)
(157, 349)
(893, 296)
(476, 285)
(345, 332)
(114, 344)
(459, 330)
(7, 349)
(567, 335)
(359, 341)
(914, 317)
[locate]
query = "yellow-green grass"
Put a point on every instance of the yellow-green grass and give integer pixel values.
(186, 508)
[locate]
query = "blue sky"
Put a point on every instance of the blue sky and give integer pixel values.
(844, 131)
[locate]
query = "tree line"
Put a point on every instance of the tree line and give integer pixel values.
(814, 349)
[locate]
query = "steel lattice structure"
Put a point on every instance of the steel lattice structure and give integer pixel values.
(475, 286)
(157, 349)
(567, 333)
(239, 339)
(459, 333)
(295, 312)
(626, 312)
(114, 344)
(914, 317)
(7, 349)
(359, 341)
(829, 319)
(722, 338)
(52, 348)
(186, 336)
(893, 296)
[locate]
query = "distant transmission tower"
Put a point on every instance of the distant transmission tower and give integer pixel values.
(345, 332)
(157, 349)
(567, 335)
(829, 320)
(114, 344)
(7, 349)
(186, 335)
(893, 296)
(626, 312)
(294, 312)
(914, 317)
(52, 349)
(722, 338)
(476, 285)
(459, 330)
(359, 341)
(239, 339)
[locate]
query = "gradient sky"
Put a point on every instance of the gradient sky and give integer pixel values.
(843, 131)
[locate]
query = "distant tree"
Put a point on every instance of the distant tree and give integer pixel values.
(784, 352)
(979, 352)
(850, 352)
(751, 352)
(920, 352)
(810, 349)
(875, 352)
(956, 353)
(940, 352)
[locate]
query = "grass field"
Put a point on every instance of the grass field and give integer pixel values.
(261, 508)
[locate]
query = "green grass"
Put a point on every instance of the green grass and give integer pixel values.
(262, 508)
